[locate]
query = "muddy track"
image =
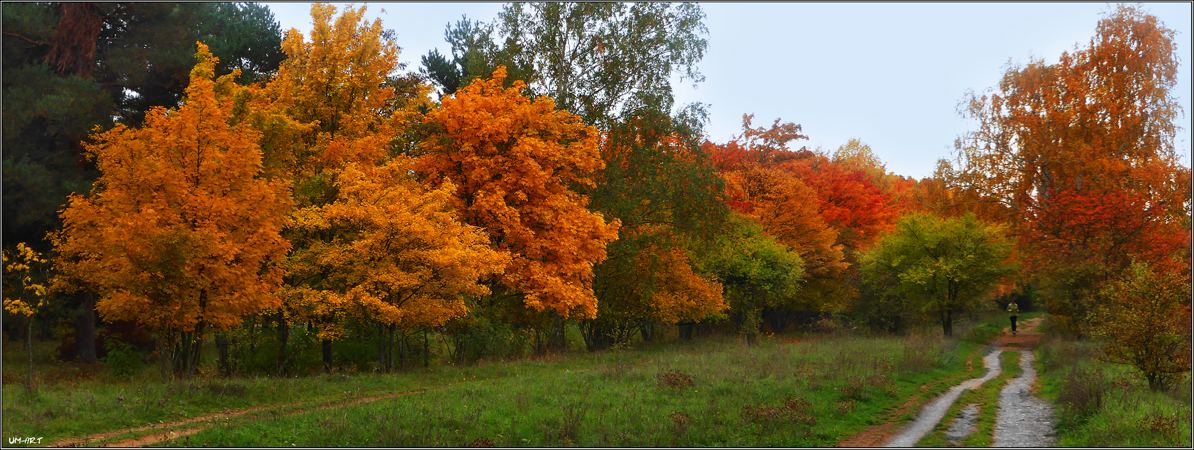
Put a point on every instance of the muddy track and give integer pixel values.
(177, 429)
(891, 434)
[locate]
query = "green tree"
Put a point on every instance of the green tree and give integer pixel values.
(472, 48)
(944, 267)
(756, 270)
(600, 61)
(658, 181)
(1144, 318)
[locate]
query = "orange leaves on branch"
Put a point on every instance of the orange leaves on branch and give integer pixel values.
(399, 255)
(1106, 226)
(680, 294)
(787, 209)
(338, 83)
(515, 163)
(1093, 132)
(179, 229)
(848, 200)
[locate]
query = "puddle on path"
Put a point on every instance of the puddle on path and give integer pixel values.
(932, 413)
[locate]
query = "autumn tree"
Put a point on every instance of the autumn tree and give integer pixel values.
(179, 233)
(398, 256)
(25, 292)
(337, 101)
(1144, 318)
(1065, 144)
(658, 183)
(515, 163)
(794, 191)
(944, 266)
(70, 66)
(788, 211)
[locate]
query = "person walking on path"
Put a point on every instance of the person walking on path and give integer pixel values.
(1014, 310)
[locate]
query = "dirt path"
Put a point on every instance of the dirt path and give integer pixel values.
(1024, 420)
(936, 409)
(177, 429)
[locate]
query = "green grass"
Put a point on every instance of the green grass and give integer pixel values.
(738, 398)
(1108, 405)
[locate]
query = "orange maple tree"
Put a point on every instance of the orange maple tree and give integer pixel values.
(337, 81)
(397, 256)
(515, 163)
(179, 232)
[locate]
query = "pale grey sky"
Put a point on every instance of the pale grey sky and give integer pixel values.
(888, 74)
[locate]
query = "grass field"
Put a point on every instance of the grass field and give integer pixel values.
(1108, 405)
(713, 393)
(788, 390)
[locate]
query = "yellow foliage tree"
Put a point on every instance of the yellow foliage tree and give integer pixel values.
(336, 102)
(24, 294)
(398, 256)
(179, 231)
(515, 162)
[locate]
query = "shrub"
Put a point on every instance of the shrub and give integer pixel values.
(1145, 319)
(123, 358)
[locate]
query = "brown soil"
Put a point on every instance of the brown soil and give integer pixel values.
(1026, 337)
(177, 429)
(879, 435)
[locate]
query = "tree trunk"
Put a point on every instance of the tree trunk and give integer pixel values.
(283, 336)
(85, 329)
(559, 342)
(222, 344)
(29, 344)
(190, 345)
(426, 350)
(947, 323)
(686, 330)
(402, 350)
(325, 346)
(165, 354)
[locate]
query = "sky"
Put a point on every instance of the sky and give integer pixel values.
(888, 74)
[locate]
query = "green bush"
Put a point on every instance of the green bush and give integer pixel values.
(123, 358)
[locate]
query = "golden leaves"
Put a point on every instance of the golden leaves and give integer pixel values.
(26, 296)
(514, 162)
(398, 253)
(178, 229)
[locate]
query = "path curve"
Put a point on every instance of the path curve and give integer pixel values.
(932, 412)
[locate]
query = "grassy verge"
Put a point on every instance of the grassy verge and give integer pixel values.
(1108, 405)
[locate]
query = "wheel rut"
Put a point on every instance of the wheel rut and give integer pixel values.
(173, 430)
